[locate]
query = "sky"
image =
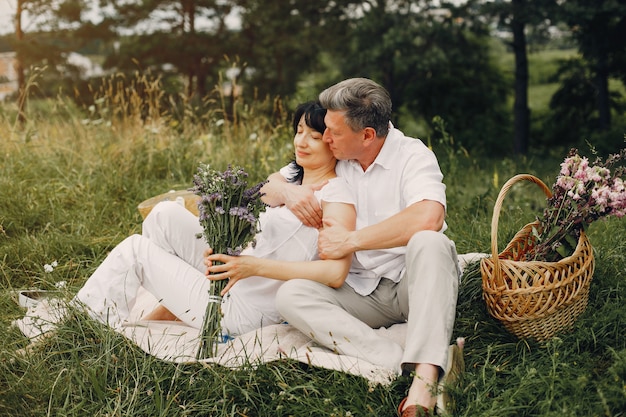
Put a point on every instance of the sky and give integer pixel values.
(7, 10)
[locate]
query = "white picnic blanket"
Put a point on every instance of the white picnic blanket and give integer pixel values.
(176, 342)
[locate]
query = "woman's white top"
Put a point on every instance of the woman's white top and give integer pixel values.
(283, 237)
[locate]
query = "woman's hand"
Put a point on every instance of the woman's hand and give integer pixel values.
(207, 261)
(233, 268)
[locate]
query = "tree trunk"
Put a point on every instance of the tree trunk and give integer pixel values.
(189, 28)
(201, 82)
(521, 112)
(19, 65)
(602, 87)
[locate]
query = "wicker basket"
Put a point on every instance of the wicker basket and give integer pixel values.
(189, 199)
(534, 299)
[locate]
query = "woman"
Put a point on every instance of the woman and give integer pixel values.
(170, 262)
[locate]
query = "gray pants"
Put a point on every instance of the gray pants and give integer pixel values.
(425, 298)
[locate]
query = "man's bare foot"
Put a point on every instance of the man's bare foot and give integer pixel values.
(160, 313)
(423, 390)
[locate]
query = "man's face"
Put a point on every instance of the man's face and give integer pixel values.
(342, 140)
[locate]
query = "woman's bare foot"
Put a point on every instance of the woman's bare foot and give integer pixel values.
(160, 313)
(34, 344)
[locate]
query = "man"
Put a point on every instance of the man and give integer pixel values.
(404, 268)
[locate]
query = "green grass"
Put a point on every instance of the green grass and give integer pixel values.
(69, 190)
(542, 65)
(539, 97)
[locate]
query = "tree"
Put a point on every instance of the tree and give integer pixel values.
(282, 41)
(165, 33)
(19, 66)
(57, 27)
(600, 30)
(518, 14)
(572, 111)
(433, 63)
(521, 112)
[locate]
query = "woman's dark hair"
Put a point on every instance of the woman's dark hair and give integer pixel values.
(313, 114)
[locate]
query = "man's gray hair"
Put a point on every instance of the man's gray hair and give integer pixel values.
(366, 104)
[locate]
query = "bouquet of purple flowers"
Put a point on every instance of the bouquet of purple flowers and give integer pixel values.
(228, 212)
(582, 193)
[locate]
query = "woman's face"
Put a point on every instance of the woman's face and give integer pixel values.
(311, 151)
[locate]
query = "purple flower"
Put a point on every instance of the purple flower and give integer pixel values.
(228, 213)
(238, 211)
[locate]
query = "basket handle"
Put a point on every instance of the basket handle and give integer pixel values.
(498, 206)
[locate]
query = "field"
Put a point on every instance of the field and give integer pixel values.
(70, 184)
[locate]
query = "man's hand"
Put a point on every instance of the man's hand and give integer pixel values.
(301, 201)
(334, 241)
(297, 198)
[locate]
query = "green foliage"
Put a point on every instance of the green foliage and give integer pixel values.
(281, 43)
(433, 66)
(6, 43)
(574, 116)
(90, 370)
(599, 29)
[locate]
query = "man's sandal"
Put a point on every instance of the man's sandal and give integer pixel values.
(414, 410)
(455, 367)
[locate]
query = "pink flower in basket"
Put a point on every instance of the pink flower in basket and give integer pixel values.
(581, 194)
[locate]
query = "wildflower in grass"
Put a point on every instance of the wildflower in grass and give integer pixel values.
(228, 211)
(50, 267)
(582, 194)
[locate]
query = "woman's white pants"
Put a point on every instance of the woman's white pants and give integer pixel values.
(167, 260)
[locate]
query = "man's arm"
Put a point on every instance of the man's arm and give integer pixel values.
(331, 272)
(272, 190)
(298, 198)
(336, 242)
